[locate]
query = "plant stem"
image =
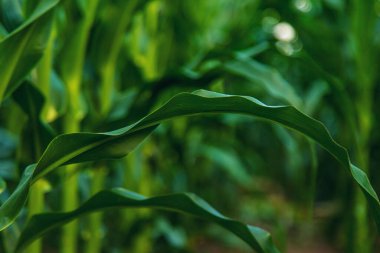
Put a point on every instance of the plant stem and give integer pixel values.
(363, 21)
(44, 73)
(36, 202)
(108, 67)
(72, 71)
(107, 74)
(70, 196)
(137, 178)
(94, 242)
(70, 202)
(36, 205)
(152, 14)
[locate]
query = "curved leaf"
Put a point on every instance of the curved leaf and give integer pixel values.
(188, 203)
(70, 148)
(13, 205)
(21, 50)
(82, 147)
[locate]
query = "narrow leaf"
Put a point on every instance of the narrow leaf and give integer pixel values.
(82, 147)
(257, 238)
(21, 50)
(71, 148)
(13, 205)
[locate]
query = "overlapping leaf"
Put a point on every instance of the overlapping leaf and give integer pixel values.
(257, 238)
(38, 134)
(71, 148)
(21, 50)
(13, 205)
(82, 147)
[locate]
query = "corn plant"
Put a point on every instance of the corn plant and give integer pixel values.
(96, 93)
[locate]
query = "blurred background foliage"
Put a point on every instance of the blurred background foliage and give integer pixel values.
(110, 62)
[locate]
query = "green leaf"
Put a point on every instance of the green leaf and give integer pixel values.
(21, 50)
(82, 147)
(188, 203)
(13, 205)
(268, 78)
(37, 135)
(11, 14)
(72, 148)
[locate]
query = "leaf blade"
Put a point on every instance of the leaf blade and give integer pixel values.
(187, 203)
(21, 50)
(202, 102)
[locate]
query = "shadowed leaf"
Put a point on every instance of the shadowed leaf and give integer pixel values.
(188, 203)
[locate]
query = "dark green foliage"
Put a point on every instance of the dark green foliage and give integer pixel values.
(93, 96)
